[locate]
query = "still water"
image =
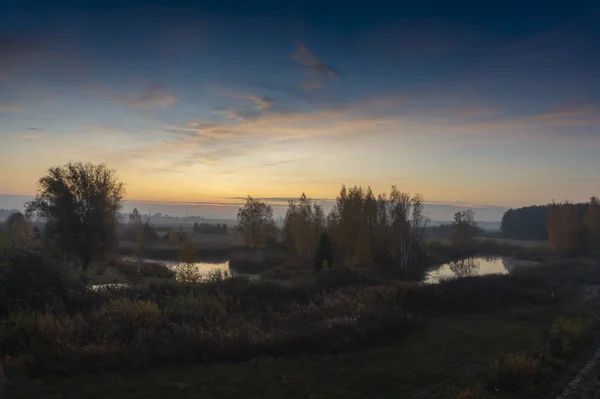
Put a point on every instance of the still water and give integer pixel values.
(204, 268)
(477, 266)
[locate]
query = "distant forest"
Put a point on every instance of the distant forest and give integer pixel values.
(530, 222)
(526, 223)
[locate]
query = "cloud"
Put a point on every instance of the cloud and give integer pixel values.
(31, 136)
(36, 129)
(318, 71)
(265, 165)
(10, 108)
(261, 103)
(150, 98)
(262, 135)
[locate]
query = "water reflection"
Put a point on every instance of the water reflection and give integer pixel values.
(477, 266)
(464, 267)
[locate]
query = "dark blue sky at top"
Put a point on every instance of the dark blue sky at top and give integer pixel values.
(508, 17)
(517, 50)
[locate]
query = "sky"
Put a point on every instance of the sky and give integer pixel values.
(487, 105)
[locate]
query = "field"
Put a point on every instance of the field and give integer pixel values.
(446, 355)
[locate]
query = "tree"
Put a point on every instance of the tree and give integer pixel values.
(18, 228)
(255, 222)
(80, 202)
(187, 271)
(464, 227)
(385, 230)
(323, 253)
(566, 229)
(142, 232)
(302, 225)
(592, 224)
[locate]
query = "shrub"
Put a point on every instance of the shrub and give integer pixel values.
(194, 310)
(120, 319)
(564, 333)
(188, 273)
(513, 372)
(591, 390)
(28, 281)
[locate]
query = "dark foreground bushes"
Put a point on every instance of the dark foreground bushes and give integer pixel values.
(121, 332)
(57, 325)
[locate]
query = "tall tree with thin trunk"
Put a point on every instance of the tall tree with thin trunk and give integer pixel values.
(80, 201)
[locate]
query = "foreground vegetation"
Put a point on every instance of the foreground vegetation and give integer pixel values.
(63, 328)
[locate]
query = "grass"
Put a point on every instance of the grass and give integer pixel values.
(446, 354)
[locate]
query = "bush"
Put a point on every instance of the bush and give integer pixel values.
(192, 310)
(28, 281)
(564, 333)
(513, 372)
(188, 272)
(120, 319)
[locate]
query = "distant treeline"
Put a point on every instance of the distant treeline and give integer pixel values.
(160, 217)
(210, 228)
(531, 222)
(446, 230)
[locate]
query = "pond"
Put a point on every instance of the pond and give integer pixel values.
(204, 268)
(475, 266)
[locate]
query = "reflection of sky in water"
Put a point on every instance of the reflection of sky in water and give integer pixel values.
(469, 267)
(204, 268)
